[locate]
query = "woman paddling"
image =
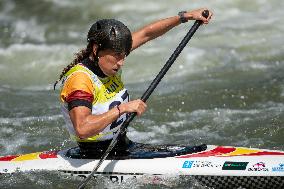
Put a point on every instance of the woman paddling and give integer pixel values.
(94, 100)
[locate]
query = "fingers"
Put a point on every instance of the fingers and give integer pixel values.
(141, 107)
(202, 18)
(137, 106)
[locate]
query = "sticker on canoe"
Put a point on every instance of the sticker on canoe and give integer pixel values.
(223, 151)
(32, 156)
(199, 164)
(232, 165)
(278, 168)
(260, 166)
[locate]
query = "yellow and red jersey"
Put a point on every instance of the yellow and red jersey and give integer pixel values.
(103, 93)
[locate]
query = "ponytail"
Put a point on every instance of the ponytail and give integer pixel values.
(79, 56)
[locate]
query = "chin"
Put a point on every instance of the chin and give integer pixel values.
(115, 72)
(111, 74)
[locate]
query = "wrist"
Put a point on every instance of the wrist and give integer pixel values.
(189, 16)
(182, 16)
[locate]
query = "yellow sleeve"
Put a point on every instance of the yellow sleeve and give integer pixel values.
(77, 81)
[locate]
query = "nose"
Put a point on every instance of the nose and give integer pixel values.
(120, 62)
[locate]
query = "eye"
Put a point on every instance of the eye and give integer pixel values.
(120, 55)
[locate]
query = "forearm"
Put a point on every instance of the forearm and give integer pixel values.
(87, 125)
(160, 27)
(154, 30)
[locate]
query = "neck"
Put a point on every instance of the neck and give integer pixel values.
(92, 64)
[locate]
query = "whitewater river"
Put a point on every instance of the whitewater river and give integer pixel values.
(226, 87)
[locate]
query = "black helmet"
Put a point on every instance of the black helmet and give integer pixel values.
(111, 34)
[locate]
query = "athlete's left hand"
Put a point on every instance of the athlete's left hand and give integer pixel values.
(197, 15)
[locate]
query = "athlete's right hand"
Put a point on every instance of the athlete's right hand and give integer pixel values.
(137, 106)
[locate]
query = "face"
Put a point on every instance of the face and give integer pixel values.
(110, 62)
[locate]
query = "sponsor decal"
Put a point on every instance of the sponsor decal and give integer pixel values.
(199, 164)
(115, 178)
(231, 165)
(187, 164)
(279, 168)
(5, 170)
(205, 164)
(111, 175)
(260, 166)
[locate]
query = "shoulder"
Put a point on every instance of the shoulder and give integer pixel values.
(77, 81)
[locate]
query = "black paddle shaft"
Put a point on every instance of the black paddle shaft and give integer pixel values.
(146, 95)
(166, 67)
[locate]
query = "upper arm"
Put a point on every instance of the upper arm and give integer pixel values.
(138, 38)
(78, 81)
(78, 115)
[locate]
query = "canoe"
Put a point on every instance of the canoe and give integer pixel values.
(210, 165)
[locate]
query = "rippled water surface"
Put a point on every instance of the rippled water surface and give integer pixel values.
(226, 87)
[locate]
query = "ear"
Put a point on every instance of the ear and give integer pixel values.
(95, 49)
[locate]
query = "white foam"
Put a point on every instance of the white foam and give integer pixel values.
(29, 48)
(140, 136)
(65, 3)
(31, 65)
(9, 5)
(185, 64)
(48, 87)
(20, 121)
(12, 147)
(257, 66)
(137, 6)
(161, 129)
(22, 28)
(282, 93)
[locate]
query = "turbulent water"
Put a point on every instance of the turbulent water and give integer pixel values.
(226, 87)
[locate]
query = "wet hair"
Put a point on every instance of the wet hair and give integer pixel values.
(107, 34)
